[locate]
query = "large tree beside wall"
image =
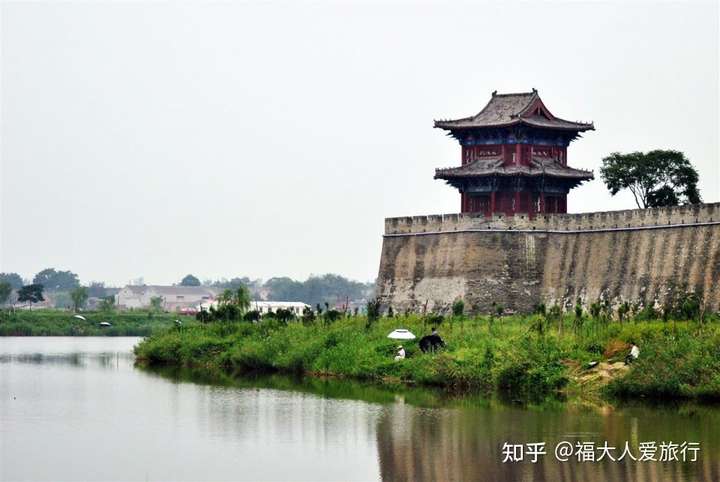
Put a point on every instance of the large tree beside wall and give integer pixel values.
(656, 178)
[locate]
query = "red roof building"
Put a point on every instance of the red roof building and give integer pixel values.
(514, 157)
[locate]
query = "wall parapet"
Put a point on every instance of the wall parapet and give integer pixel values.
(593, 221)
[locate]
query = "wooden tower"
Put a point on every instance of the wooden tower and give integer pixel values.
(514, 157)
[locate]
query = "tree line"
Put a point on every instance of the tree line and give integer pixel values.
(65, 286)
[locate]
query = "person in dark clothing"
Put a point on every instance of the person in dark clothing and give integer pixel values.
(431, 342)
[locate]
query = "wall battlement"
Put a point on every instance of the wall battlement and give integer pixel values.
(639, 256)
(631, 218)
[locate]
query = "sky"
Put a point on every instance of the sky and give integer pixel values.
(261, 139)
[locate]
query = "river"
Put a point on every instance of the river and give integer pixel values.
(78, 409)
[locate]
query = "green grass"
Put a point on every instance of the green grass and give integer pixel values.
(62, 323)
(678, 359)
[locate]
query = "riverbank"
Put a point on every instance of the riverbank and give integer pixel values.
(64, 323)
(523, 357)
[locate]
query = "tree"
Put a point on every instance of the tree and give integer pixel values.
(190, 280)
(15, 280)
(32, 293)
(156, 303)
(373, 312)
(225, 297)
(656, 178)
(79, 296)
(233, 283)
(328, 288)
(242, 299)
(96, 289)
(5, 292)
(107, 304)
(54, 280)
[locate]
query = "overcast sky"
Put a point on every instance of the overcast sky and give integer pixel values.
(267, 139)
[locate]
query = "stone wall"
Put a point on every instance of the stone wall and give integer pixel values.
(635, 255)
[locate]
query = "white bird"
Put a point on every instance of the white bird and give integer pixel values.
(80, 317)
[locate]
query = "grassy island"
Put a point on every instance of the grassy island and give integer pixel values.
(64, 323)
(524, 357)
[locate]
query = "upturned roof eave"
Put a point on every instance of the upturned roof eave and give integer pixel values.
(580, 176)
(451, 125)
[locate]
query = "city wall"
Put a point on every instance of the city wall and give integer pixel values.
(640, 256)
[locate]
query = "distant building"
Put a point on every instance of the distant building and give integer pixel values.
(175, 298)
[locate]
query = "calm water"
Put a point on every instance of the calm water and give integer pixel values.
(77, 409)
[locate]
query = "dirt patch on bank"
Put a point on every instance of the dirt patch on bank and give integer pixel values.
(602, 373)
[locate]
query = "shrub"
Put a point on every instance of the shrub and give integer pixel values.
(555, 313)
(252, 315)
(434, 319)
(458, 307)
(308, 316)
(538, 324)
(373, 312)
(647, 313)
(285, 315)
(332, 316)
(623, 310)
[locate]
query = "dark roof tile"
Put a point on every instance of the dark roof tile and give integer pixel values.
(494, 167)
(510, 109)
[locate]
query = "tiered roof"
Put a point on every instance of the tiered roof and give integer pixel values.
(493, 166)
(505, 110)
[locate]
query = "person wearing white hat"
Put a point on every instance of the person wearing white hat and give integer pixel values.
(400, 353)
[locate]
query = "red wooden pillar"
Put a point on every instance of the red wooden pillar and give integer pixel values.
(517, 202)
(492, 203)
(517, 154)
(542, 202)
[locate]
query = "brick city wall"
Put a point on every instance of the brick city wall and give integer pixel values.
(640, 255)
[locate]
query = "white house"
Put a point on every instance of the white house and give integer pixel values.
(175, 298)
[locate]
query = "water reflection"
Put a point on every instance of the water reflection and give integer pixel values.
(76, 359)
(430, 435)
(466, 444)
(62, 397)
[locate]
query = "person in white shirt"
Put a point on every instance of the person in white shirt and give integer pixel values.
(400, 353)
(634, 353)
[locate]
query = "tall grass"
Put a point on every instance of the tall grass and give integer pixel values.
(510, 355)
